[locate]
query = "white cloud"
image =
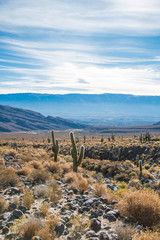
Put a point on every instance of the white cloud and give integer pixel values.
(112, 16)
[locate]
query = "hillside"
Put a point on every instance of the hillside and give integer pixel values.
(17, 119)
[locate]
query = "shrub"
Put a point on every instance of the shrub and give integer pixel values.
(54, 192)
(148, 235)
(28, 199)
(30, 228)
(39, 176)
(8, 176)
(3, 205)
(24, 171)
(124, 233)
(142, 207)
(99, 190)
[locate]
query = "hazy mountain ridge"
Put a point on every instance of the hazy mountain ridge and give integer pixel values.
(16, 119)
(94, 109)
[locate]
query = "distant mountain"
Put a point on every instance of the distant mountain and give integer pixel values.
(17, 119)
(93, 109)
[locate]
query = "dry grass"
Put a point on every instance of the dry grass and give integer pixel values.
(36, 164)
(3, 205)
(141, 206)
(54, 167)
(24, 171)
(30, 228)
(8, 176)
(148, 235)
(99, 190)
(76, 180)
(124, 233)
(44, 210)
(54, 192)
(80, 224)
(39, 176)
(28, 199)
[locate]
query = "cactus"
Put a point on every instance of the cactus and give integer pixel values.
(77, 158)
(137, 160)
(140, 168)
(116, 152)
(55, 147)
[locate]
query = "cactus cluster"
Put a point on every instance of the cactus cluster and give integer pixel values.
(55, 147)
(77, 158)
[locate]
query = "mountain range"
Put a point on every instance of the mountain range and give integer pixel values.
(93, 109)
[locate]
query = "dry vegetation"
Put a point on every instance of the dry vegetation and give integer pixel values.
(109, 171)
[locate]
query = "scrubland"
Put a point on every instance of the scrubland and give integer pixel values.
(115, 193)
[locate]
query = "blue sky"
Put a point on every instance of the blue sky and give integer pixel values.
(91, 46)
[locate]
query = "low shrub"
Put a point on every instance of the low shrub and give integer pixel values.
(28, 199)
(3, 205)
(141, 206)
(8, 176)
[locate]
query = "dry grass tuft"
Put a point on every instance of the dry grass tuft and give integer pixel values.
(39, 176)
(3, 205)
(36, 164)
(76, 180)
(54, 192)
(28, 199)
(24, 171)
(8, 176)
(100, 190)
(148, 235)
(30, 228)
(125, 233)
(141, 206)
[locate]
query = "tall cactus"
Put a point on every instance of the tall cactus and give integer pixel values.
(77, 158)
(137, 160)
(55, 147)
(140, 168)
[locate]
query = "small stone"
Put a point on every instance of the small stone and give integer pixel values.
(5, 230)
(111, 217)
(91, 234)
(95, 224)
(11, 206)
(59, 229)
(17, 213)
(103, 236)
(93, 214)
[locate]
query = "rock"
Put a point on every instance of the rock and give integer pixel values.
(59, 229)
(110, 216)
(11, 206)
(75, 190)
(114, 202)
(12, 191)
(68, 224)
(6, 216)
(95, 224)
(5, 230)
(91, 234)
(93, 214)
(139, 228)
(103, 236)
(17, 213)
(22, 208)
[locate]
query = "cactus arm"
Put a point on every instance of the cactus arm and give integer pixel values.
(81, 155)
(74, 148)
(140, 168)
(55, 147)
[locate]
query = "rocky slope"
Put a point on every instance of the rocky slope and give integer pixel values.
(17, 119)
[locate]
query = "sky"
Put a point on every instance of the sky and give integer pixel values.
(82, 46)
